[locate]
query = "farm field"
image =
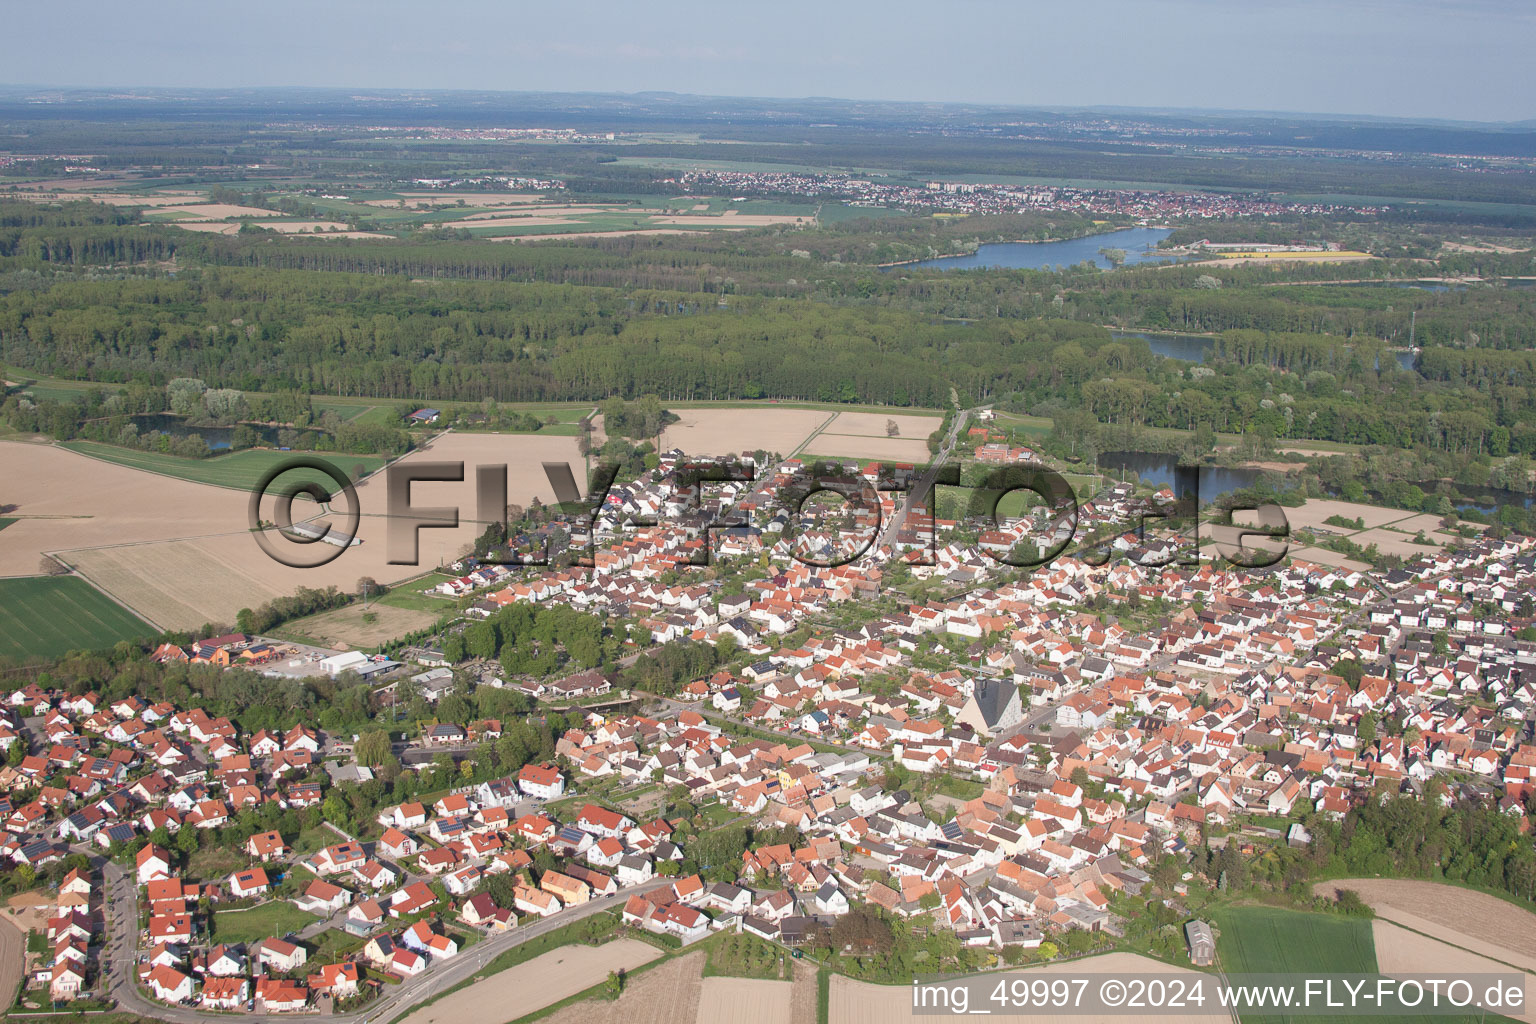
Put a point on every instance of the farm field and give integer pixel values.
(240, 470)
(745, 1001)
(1400, 951)
(268, 921)
(1271, 940)
(65, 500)
(732, 431)
(1472, 920)
(547, 978)
(51, 615)
(861, 1002)
(159, 566)
(665, 994)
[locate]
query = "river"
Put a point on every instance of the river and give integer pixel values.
(1140, 245)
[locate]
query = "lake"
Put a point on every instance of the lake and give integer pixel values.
(1140, 245)
(1182, 347)
(1156, 468)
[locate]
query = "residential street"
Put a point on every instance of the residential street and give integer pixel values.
(121, 908)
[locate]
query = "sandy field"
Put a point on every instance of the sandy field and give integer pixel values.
(545, 979)
(889, 449)
(732, 431)
(345, 629)
(1311, 452)
(1471, 920)
(858, 1002)
(745, 1001)
(82, 502)
(1400, 951)
(872, 424)
(1315, 510)
(218, 211)
(668, 994)
(1287, 257)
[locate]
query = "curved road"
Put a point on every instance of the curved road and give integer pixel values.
(121, 906)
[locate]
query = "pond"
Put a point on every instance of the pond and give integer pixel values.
(217, 438)
(1139, 244)
(1157, 469)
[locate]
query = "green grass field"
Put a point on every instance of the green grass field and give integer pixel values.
(49, 616)
(270, 920)
(239, 470)
(1271, 940)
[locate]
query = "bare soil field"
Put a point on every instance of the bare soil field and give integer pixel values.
(668, 994)
(1413, 524)
(1400, 951)
(218, 211)
(1323, 556)
(731, 431)
(13, 951)
(1471, 920)
(859, 1002)
(872, 424)
(208, 227)
(889, 449)
(745, 1001)
(180, 554)
(346, 628)
(1315, 510)
(180, 584)
(1391, 542)
(66, 500)
(545, 979)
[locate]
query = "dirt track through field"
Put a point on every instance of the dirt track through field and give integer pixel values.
(1400, 951)
(1471, 920)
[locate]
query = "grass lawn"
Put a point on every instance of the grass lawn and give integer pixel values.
(47, 616)
(239, 470)
(5, 521)
(718, 814)
(270, 920)
(333, 944)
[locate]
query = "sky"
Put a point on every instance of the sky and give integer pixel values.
(1458, 59)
